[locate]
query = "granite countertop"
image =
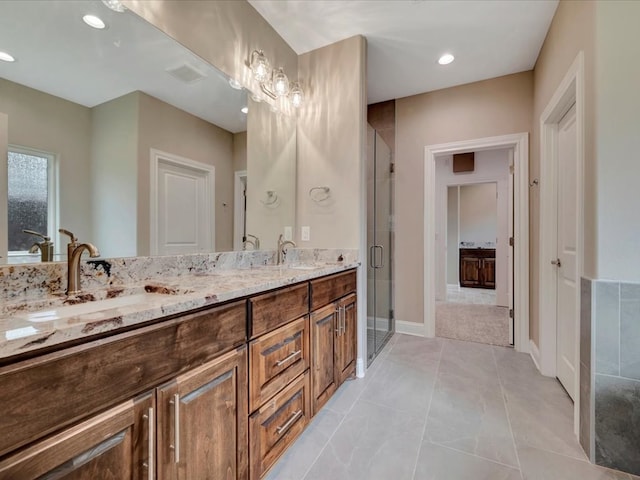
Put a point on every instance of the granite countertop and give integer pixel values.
(35, 325)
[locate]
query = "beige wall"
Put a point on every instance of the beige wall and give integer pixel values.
(271, 166)
(171, 130)
(114, 176)
(4, 188)
(331, 144)
(239, 151)
(52, 124)
(492, 107)
(224, 33)
(618, 144)
(382, 117)
(572, 30)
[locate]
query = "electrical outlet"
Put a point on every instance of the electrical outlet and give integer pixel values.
(305, 234)
(288, 233)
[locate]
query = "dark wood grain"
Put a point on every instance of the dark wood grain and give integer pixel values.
(477, 267)
(266, 377)
(270, 310)
(212, 418)
(107, 440)
(323, 334)
(346, 341)
(267, 441)
(47, 393)
(329, 289)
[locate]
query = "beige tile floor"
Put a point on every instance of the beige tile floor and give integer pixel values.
(439, 409)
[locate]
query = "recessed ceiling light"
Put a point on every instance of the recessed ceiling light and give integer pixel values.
(446, 59)
(115, 5)
(5, 57)
(94, 22)
(244, 110)
(235, 84)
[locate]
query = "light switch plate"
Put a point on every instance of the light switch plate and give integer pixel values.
(288, 233)
(305, 234)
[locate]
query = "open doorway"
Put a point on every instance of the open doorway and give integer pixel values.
(474, 305)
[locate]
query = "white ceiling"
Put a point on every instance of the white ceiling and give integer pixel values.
(489, 38)
(60, 55)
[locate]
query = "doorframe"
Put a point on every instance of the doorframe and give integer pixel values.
(239, 212)
(519, 142)
(570, 91)
(156, 156)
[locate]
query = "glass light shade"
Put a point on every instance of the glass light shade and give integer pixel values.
(115, 5)
(260, 66)
(280, 83)
(296, 95)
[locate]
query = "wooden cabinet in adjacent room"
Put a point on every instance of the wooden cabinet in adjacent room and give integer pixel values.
(478, 267)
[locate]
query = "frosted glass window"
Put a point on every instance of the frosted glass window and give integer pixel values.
(28, 202)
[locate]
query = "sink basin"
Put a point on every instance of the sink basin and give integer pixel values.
(67, 311)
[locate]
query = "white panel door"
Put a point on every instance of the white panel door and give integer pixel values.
(566, 310)
(183, 220)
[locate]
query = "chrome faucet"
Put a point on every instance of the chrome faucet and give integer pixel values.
(281, 252)
(45, 246)
(74, 252)
(255, 242)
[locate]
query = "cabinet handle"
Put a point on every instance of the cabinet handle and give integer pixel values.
(289, 422)
(176, 427)
(342, 316)
(288, 357)
(339, 321)
(150, 463)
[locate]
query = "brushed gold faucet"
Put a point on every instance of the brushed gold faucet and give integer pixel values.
(281, 244)
(45, 246)
(74, 252)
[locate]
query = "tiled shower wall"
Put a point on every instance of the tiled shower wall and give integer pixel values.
(610, 373)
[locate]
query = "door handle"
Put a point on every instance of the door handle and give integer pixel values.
(556, 262)
(176, 427)
(375, 263)
(372, 262)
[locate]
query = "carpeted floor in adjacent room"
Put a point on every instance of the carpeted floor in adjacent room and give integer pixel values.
(473, 323)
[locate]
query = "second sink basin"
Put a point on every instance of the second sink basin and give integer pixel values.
(67, 311)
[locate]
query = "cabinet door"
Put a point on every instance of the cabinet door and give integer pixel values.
(112, 445)
(489, 272)
(202, 422)
(469, 271)
(346, 339)
(323, 335)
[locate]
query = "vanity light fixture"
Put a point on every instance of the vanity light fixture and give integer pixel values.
(94, 22)
(446, 59)
(274, 83)
(5, 57)
(115, 5)
(235, 84)
(244, 110)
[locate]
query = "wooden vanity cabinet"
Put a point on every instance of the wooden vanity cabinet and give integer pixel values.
(478, 267)
(333, 335)
(202, 421)
(118, 444)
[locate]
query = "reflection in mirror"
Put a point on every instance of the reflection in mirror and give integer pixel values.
(108, 108)
(271, 161)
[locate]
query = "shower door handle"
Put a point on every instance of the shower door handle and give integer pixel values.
(381, 264)
(372, 261)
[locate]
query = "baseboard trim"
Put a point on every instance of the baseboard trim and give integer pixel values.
(410, 328)
(359, 368)
(535, 354)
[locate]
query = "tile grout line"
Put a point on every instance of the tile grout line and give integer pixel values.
(426, 417)
(506, 410)
(321, 450)
(475, 455)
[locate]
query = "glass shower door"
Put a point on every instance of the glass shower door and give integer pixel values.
(380, 322)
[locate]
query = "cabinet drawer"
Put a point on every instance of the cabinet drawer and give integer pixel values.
(328, 289)
(83, 380)
(277, 424)
(273, 309)
(277, 358)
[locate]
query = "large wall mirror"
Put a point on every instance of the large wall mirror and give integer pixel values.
(131, 141)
